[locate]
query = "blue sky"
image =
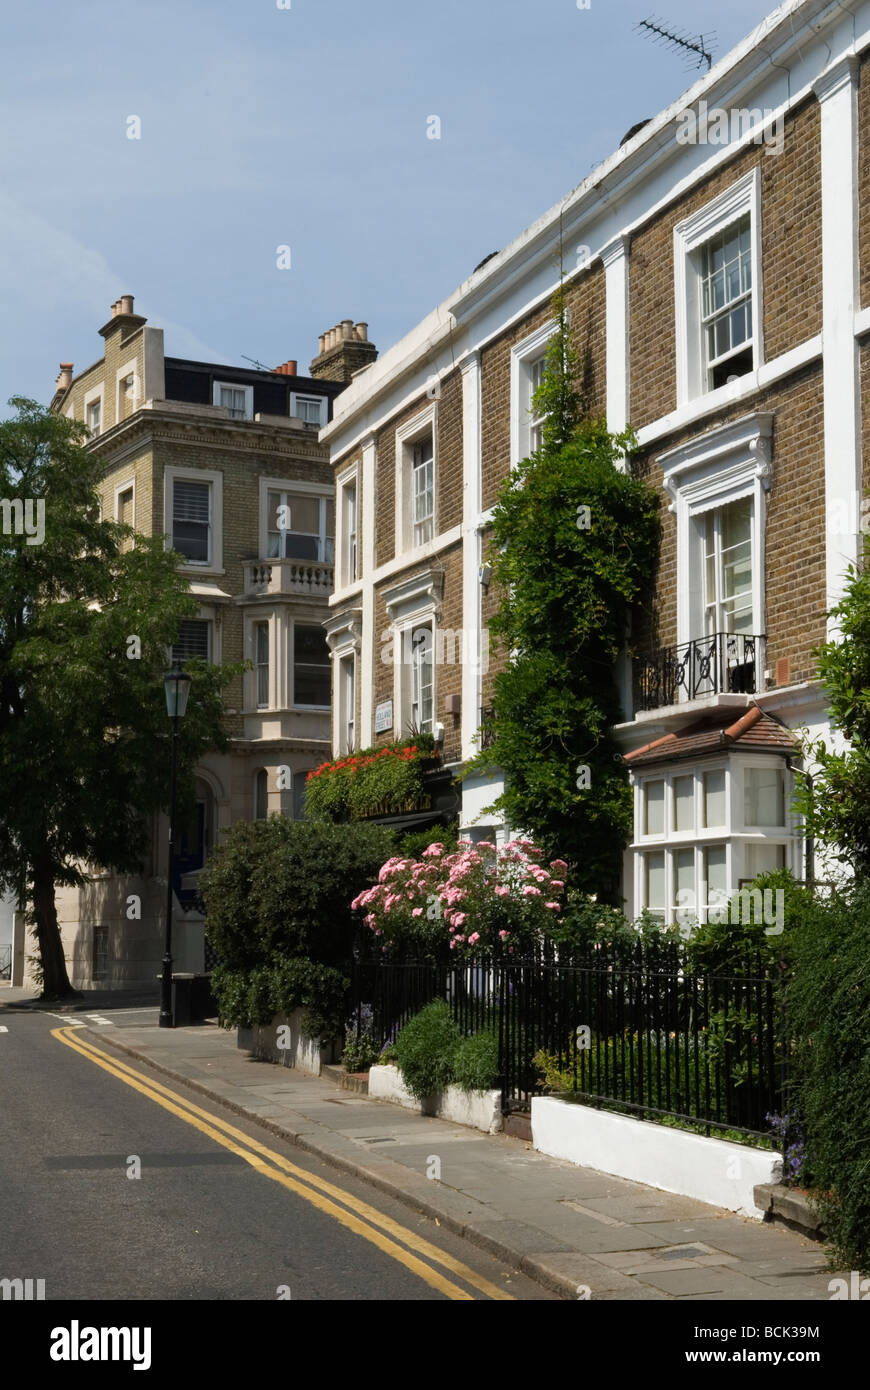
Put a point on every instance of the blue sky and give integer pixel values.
(305, 127)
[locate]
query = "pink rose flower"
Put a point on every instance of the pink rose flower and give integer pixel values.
(504, 935)
(417, 912)
(557, 906)
(529, 892)
(501, 890)
(475, 936)
(458, 919)
(560, 865)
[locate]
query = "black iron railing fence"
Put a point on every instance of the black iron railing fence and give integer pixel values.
(5, 962)
(727, 662)
(633, 1029)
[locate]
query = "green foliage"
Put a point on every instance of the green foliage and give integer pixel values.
(475, 1061)
(412, 845)
(360, 1053)
(828, 1002)
(836, 804)
(279, 890)
(276, 895)
(374, 781)
(557, 399)
(249, 997)
(426, 1048)
(717, 948)
(84, 735)
(569, 590)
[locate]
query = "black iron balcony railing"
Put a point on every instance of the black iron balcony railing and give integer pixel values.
(726, 663)
(487, 727)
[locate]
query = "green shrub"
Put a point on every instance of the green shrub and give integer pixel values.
(246, 998)
(279, 890)
(475, 1062)
(425, 1050)
(370, 782)
(828, 1007)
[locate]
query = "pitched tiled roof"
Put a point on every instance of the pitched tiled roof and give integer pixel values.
(753, 731)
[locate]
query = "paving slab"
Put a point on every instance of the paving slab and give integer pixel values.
(561, 1224)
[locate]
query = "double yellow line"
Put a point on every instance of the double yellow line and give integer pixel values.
(355, 1215)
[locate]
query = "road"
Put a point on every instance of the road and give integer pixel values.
(220, 1209)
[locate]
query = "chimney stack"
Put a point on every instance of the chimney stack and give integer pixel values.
(123, 309)
(343, 351)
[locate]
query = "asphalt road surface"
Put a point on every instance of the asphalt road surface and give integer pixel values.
(220, 1209)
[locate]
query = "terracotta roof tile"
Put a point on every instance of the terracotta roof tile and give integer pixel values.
(755, 730)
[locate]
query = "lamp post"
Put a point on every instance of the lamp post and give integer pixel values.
(177, 686)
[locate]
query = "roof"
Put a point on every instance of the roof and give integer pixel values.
(756, 731)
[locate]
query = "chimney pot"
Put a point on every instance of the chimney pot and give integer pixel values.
(65, 378)
(126, 304)
(346, 329)
(362, 332)
(321, 341)
(290, 366)
(115, 309)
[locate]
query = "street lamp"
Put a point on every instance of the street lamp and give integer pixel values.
(177, 686)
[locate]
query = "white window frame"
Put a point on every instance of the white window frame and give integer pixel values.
(302, 621)
(726, 465)
(308, 396)
(409, 668)
(733, 835)
(348, 739)
(214, 476)
(123, 374)
(413, 432)
(741, 199)
(129, 485)
(234, 386)
(411, 603)
(263, 625)
(284, 485)
(523, 355)
(96, 396)
(343, 483)
(209, 621)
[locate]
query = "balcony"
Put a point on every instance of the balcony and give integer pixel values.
(486, 727)
(300, 578)
(727, 663)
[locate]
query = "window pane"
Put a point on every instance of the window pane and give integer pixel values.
(684, 803)
(192, 641)
(763, 859)
(654, 814)
(763, 796)
(715, 872)
(654, 894)
(714, 798)
(311, 666)
(262, 795)
(190, 519)
(684, 883)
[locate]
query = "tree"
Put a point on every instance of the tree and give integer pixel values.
(836, 801)
(86, 617)
(575, 542)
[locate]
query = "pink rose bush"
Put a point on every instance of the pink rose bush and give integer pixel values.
(470, 900)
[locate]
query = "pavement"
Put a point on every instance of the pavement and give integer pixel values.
(577, 1232)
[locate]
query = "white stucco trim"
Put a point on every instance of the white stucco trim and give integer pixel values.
(720, 467)
(615, 258)
(522, 353)
(471, 548)
(367, 557)
(690, 235)
(837, 91)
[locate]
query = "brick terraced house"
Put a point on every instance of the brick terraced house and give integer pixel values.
(207, 455)
(720, 303)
